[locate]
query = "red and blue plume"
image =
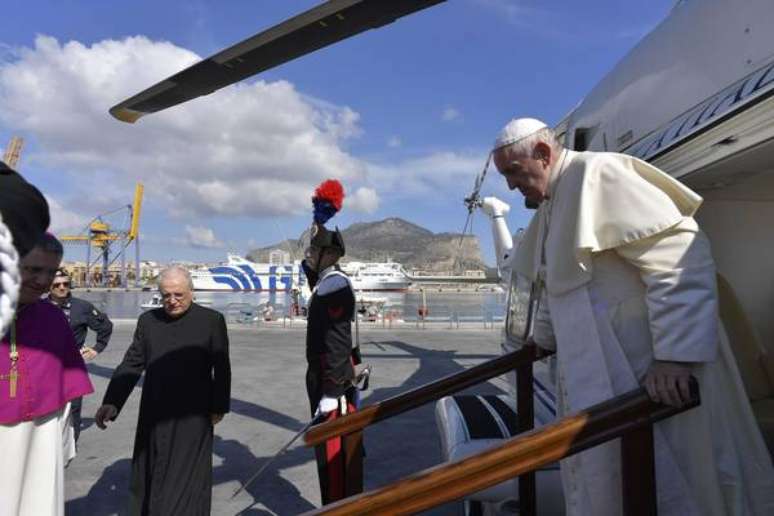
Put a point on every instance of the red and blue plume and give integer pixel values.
(327, 200)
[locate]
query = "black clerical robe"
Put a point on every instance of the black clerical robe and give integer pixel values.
(187, 378)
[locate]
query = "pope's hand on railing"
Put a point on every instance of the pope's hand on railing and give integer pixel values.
(669, 382)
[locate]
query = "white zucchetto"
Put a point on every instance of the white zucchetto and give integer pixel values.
(517, 129)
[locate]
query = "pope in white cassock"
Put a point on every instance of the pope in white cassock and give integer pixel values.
(629, 298)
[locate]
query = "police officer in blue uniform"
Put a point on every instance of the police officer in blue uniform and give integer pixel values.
(82, 316)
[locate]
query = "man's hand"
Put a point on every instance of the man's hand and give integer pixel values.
(88, 353)
(326, 406)
(104, 414)
(668, 382)
(494, 207)
(216, 418)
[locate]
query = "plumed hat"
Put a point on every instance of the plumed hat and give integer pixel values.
(327, 201)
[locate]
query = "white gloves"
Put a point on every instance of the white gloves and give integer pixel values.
(326, 406)
(494, 207)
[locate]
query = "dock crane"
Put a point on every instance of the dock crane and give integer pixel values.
(112, 245)
(13, 151)
(98, 234)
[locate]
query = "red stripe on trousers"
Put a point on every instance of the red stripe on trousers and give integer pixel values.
(335, 464)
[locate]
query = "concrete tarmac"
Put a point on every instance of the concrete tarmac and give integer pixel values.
(268, 407)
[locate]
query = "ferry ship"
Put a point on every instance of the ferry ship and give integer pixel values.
(240, 274)
(377, 276)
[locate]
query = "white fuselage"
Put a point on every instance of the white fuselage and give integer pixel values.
(696, 98)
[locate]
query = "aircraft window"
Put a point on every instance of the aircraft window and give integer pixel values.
(580, 143)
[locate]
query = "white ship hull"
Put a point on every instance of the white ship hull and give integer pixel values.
(367, 276)
(238, 274)
(377, 285)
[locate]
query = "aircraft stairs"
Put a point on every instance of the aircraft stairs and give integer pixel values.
(629, 417)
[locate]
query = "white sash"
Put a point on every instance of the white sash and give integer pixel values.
(335, 272)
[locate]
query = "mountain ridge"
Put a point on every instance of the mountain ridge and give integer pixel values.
(398, 240)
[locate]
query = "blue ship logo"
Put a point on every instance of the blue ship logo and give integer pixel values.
(244, 277)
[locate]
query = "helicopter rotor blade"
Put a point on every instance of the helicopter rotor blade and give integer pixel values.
(316, 28)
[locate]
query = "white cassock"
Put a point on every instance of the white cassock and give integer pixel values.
(630, 278)
(38, 450)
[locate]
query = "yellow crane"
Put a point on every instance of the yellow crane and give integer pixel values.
(112, 245)
(13, 151)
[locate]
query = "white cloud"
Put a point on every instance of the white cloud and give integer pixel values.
(250, 149)
(201, 237)
(364, 200)
(439, 174)
(64, 221)
(450, 114)
(394, 142)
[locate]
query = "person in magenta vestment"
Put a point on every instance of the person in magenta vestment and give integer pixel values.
(51, 371)
(41, 371)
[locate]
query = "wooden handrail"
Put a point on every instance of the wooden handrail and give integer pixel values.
(401, 403)
(615, 418)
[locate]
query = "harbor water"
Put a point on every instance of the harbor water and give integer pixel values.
(441, 304)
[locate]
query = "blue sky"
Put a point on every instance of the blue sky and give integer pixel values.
(404, 115)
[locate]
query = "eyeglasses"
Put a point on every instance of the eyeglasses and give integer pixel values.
(64, 284)
(177, 296)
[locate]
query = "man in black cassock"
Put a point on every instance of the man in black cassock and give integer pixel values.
(331, 359)
(183, 349)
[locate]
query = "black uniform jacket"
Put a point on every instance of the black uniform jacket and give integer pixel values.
(84, 316)
(329, 350)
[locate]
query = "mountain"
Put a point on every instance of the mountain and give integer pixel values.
(398, 240)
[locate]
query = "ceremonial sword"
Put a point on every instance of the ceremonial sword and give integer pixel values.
(270, 461)
(362, 376)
